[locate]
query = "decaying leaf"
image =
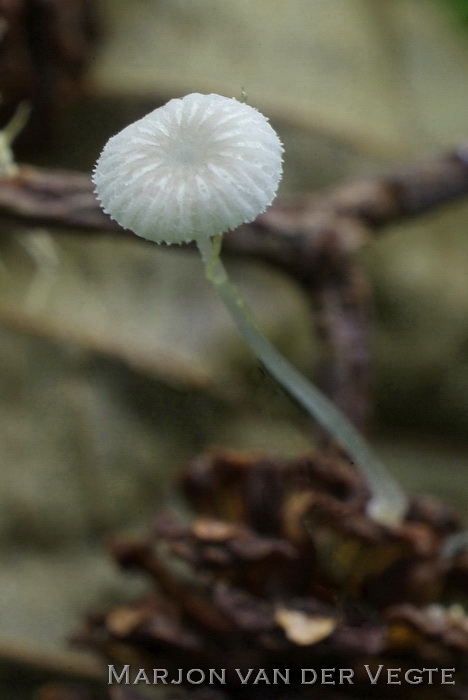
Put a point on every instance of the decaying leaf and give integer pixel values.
(265, 592)
(303, 629)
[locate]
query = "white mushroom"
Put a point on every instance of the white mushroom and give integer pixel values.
(198, 166)
(191, 170)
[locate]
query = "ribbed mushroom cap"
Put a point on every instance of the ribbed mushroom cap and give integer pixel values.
(196, 167)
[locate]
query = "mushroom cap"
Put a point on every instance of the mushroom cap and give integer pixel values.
(196, 167)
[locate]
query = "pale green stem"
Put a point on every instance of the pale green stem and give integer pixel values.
(387, 504)
(17, 123)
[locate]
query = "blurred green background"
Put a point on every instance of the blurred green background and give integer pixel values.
(117, 363)
(461, 9)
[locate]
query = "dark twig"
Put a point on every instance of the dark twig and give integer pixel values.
(291, 235)
(313, 238)
(342, 320)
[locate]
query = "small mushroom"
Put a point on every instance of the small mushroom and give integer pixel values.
(192, 170)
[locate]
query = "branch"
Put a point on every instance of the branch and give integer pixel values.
(313, 238)
(296, 235)
(66, 199)
(53, 197)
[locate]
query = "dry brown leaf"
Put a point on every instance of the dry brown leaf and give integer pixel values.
(303, 629)
(214, 530)
(124, 620)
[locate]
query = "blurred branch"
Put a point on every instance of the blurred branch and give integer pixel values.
(54, 197)
(158, 363)
(313, 238)
(343, 314)
(297, 234)
(285, 232)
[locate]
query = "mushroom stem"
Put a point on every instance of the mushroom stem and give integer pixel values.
(387, 504)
